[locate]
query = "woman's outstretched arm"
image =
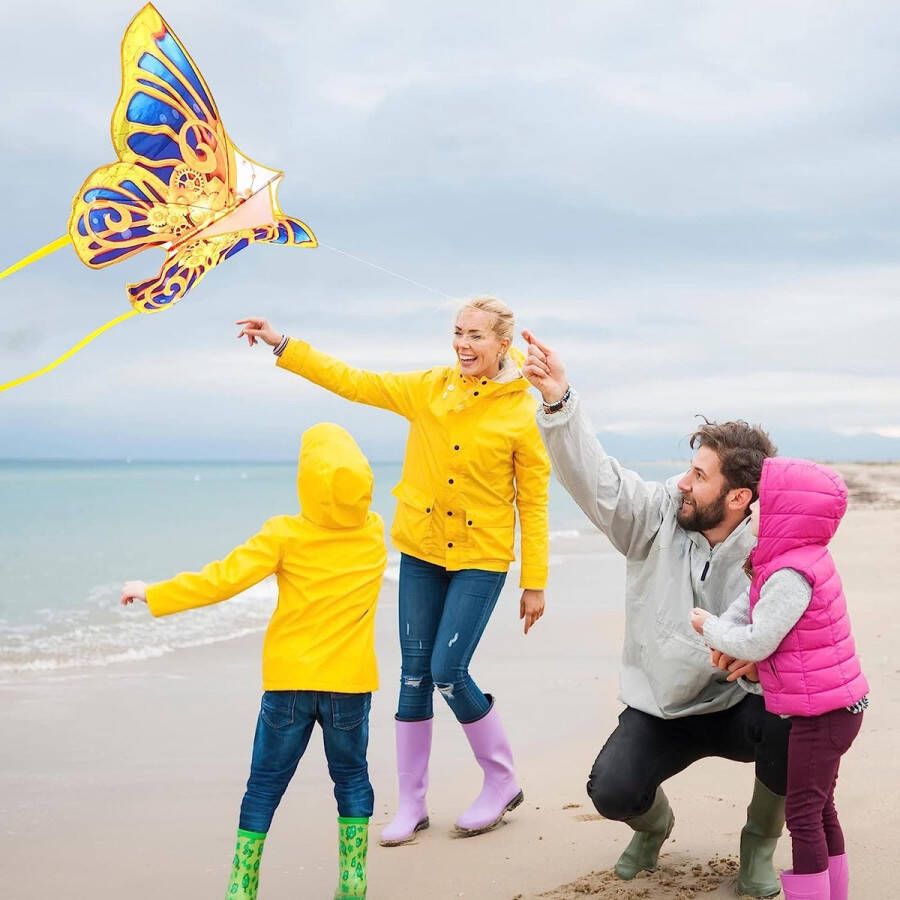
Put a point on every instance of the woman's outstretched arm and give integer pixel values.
(397, 392)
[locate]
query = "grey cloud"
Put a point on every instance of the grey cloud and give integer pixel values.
(676, 195)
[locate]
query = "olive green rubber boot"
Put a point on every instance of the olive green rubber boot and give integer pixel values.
(765, 819)
(651, 830)
(244, 882)
(353, 848)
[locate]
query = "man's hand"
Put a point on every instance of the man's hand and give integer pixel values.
(737, 668)
(544, 370)
(531, 607)
(258, 329)
(698, 617)
(133, 590)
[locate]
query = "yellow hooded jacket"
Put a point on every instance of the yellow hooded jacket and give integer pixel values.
(473, 456)
(329, 561)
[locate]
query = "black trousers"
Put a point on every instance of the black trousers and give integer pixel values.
(645, 750)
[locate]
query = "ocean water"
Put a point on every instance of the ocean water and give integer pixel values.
(72, 532)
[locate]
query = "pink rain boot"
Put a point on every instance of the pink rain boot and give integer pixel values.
(501, 792)
(806, 887)
(413, 750)
(839, 875)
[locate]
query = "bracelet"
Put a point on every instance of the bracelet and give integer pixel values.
(556, 407)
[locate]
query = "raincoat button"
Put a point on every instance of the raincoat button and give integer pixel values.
(450, 544)
(456, 446)
(476, 394)
(427, 509)
(483, 383)
(469, 522)
(449, 512)
(449, 481)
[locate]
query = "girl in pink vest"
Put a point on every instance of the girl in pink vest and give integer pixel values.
(793, 621)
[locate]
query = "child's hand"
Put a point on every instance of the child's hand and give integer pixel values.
(736, 668)
(133, 590)
(698, 617)
(256, 328)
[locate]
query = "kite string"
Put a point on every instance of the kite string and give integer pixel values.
(373, 265)
(69, 353)
(60, 242)
(46, 250)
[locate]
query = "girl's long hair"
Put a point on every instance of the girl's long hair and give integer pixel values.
(748, 566)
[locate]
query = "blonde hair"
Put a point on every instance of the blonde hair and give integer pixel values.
(503, 322)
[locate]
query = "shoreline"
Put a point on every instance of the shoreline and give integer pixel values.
(97, 637)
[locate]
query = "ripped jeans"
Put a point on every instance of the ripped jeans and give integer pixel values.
(442, 617)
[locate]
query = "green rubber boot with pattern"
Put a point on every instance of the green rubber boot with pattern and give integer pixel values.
(244, 883)
(353, 848)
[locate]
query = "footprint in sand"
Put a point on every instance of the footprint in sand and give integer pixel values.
(672, 881)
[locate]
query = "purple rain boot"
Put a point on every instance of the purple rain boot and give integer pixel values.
(839, 875)
(413, 749)
(501, 792)
(806, 887)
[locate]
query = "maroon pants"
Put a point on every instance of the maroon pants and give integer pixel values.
(815, 748)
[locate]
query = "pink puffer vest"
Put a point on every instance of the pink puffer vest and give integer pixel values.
(815, 669)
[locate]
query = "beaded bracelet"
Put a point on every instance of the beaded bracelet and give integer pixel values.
(556, 407)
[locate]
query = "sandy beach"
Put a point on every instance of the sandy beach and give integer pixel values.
(125, 781)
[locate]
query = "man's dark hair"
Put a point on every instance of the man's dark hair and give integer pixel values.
(741, 449)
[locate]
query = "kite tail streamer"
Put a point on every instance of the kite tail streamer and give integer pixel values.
(46, 250)
(69, 353)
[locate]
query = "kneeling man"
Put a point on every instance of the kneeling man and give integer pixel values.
(685, 543)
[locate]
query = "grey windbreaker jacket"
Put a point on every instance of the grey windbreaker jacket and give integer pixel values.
(666, 670)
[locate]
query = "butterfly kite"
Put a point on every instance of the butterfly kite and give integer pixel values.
(179, 183)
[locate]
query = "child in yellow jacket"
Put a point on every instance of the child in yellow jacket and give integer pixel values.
(319, 650)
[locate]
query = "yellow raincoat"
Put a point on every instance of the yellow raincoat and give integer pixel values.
(329, 561)
(473, 456)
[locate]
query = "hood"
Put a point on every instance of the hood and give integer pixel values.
(334, 478)
(801, 503)
(512, 367)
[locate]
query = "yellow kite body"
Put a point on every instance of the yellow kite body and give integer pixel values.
(179, 183)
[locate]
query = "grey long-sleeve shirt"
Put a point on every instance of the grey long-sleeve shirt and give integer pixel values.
(666, 669)
(782, 601)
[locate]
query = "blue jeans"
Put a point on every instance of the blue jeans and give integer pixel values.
(283, 729)
(442, 617)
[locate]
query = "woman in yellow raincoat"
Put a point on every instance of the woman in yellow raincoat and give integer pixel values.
(473, 457)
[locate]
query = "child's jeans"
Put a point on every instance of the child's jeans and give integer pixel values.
(442, 617)
(283, 729)
(815, 747)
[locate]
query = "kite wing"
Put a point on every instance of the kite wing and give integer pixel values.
(178, 183)
(176, 168)
(185, 265)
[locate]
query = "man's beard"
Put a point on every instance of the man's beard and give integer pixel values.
(702, 518)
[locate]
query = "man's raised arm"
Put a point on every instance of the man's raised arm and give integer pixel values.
(627, 509)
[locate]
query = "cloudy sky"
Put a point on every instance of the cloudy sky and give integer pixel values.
(696, 203)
